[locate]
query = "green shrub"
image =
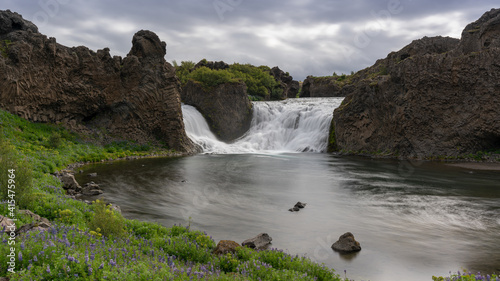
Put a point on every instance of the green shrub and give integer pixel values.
(55, 140)
(106, 221)
(15, 176)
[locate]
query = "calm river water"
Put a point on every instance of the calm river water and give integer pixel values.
(413, 219)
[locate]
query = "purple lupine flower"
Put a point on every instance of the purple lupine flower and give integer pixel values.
(71, 258)
(20, 256)
(35, 258)
(101, 266)
(48, 269)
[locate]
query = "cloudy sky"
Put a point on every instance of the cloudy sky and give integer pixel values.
(303, 37)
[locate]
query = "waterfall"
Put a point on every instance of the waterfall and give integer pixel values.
(293, 125)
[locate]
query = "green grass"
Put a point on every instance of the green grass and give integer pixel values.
(261, 85)
(93, 242)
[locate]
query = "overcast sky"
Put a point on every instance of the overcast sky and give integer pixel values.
(303, 37)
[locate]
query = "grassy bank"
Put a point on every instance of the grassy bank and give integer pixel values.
(93, 242)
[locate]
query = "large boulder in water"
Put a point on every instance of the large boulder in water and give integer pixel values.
(226, 107)
(346, 244)
(437, 97)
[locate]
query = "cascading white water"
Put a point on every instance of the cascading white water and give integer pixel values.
(293, 125)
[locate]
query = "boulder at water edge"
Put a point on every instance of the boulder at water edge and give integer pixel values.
(226, 246)
(346, 244)
(259, 242)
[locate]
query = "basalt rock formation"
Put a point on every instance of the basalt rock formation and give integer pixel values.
(215, 65)
(134, 98)
(435, 97)
(322, 87)
(290, 87)
(226, 107)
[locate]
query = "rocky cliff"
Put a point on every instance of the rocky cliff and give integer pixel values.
(226, 107)
(135, 98)
(435, 97)
(328, 86)
(290, 87)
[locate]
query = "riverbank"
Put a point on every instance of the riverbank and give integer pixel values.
(94, 242)
(484, 166)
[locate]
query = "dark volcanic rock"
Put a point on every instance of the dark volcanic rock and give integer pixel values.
(300, 205)
(346, 244)
(135, 98)
(91, 189)
(321, 87)
(40, 226)
(290, 87)
(225, 107)
(259, 242)
(226, 246)
(69, 182)
(436, 97)
(214, 65)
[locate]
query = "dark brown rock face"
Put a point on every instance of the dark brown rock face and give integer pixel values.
(135, 98)
(321, 87)
(214, 65)
(259, 242)
(225, 107)
(435, 97)
(225, 247)
(346, 244)
(290, 87)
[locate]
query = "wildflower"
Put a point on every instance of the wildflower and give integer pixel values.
(48, 269)
(35, 258)
(101, 266)
(20, 256)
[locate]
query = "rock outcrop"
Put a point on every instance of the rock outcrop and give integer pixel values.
(214, 65)
(290, 87)
(328, 86)
(299, 205)
(225, 247)
(435, 97)
(226, 107)
(134, 98)
(259, 242)
(346, 244)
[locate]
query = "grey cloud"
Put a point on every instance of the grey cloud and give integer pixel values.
(232, 28)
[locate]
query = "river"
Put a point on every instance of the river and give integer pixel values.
(413, 219)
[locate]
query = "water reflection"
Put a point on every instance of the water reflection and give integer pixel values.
(413, 219)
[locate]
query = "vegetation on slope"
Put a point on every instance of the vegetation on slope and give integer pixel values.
(261, 85)
(93, 242)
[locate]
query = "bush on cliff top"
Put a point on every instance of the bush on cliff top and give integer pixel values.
(261, 85)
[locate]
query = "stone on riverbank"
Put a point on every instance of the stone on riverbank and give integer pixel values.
(226, 246)
(259, 242)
